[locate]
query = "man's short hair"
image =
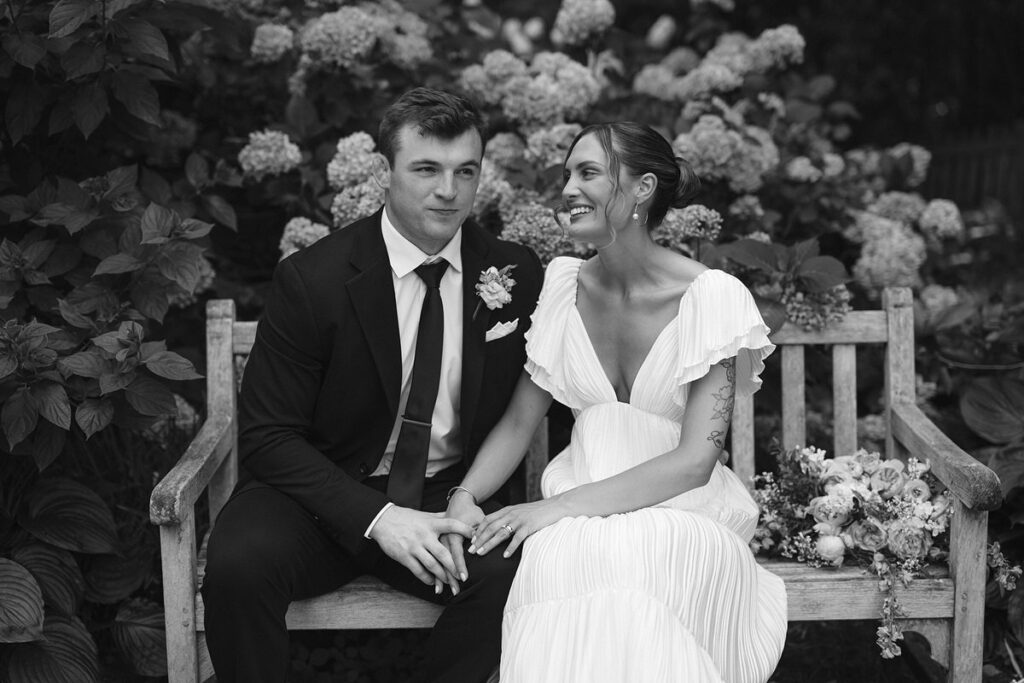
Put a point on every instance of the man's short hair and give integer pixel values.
(431, 112)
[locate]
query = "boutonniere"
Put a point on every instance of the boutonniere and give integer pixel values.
(494, 287)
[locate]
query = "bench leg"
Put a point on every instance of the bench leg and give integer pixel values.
(968, 566)
(178, 556)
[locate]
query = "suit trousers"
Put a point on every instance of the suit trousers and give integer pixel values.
(266, 550)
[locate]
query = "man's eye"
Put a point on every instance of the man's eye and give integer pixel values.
(425, 169)
(468, 172)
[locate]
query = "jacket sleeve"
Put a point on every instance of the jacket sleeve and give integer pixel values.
(276, 410)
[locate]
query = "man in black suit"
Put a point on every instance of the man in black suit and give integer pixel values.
(376, 373)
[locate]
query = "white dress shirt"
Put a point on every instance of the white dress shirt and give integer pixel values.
(445, 442)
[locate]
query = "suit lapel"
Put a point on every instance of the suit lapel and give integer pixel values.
(372, 293)
(474, 253)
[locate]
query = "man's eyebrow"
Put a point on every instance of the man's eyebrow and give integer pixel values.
(433, 162)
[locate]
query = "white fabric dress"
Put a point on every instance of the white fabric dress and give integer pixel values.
(669, 593)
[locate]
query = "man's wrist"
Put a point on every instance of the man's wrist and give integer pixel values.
(373, 523)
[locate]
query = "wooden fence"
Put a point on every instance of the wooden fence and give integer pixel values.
(981, 165)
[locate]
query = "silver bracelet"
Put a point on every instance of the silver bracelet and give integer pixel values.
(452, 490)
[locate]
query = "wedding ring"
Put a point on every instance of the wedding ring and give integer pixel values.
(509, 529)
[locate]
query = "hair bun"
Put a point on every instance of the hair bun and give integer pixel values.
(687, 186)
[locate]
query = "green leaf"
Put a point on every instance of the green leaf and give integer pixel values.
(25, 48)
(753, 254)
(138, 632)
(61, 117)
(69, 515)
(19, 416)
(84, 58)
(820, 273)
(72, 217)
(115, 6)
(8, 364)
(145, 38)
(157, 223)
(14, 207)
(67, 654)
(150, 397)
(94, 414)
(170, 365)
(121, 180)
(155, 187)
(192, 229)
(112, 382)
(118, 263)
(220, 210)
(1008, 464)
(54, 405)
(197, 171)
(67, 15)
(89, 107)
(57, 574)
(73, 317)
(47, 444)
(34, 277)
(151, 298)
(36, 253)
(109, 579)
(138, 96)
(21, 610)
(23, 111)
(993, 407)
(179, 262)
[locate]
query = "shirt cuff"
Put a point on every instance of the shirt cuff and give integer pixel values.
(366, 534)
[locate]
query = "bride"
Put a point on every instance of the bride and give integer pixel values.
(635, 563)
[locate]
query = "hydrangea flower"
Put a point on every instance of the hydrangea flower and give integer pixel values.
(660, 34)
(355, 202)
(832, 164)
(777, 48)
(937, 298)
(526, 221)
(352, 162)
(891, 255)
(680, 60)
(180, 298)
(269, 152)
(549, 146)
(493, 188)
(920, 158)
(505, 149)
(802, 170)
(705, 80)
(299, 233)
(579, 20)
(682, 225)
(747, 207)
(816, 310)
(402, 34)
(271, 42)
(655, 80)
(941, 219)
(578, 86)
(342, 38)
(718, 152)
(898, 206)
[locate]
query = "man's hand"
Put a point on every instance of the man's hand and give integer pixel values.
(412, 538)
(462, 508)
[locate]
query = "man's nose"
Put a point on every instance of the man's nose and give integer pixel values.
(446, 186)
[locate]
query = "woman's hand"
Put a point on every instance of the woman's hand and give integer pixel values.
(462, 508)
(514, 524)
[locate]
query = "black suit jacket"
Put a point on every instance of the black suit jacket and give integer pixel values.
(321, 387)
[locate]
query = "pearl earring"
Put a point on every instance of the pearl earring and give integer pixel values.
(636, 212)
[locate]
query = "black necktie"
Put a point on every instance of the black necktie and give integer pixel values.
(409, 465)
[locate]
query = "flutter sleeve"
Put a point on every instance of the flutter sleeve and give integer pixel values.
(718, 319)
(546, 338)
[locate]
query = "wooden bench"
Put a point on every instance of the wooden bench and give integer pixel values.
(948, 609)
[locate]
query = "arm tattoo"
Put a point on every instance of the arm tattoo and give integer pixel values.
(725, 399)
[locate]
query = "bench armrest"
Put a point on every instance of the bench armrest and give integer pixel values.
(972, 482)
(178, 491)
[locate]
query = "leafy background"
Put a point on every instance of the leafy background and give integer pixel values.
(131, 192)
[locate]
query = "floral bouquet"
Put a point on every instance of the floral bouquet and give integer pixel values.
(890, 516)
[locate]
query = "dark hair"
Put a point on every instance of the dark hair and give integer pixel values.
(433, 112)
(640, 149)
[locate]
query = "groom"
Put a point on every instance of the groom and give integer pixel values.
(376, 373)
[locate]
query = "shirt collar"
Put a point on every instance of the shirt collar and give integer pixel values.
(405, 256)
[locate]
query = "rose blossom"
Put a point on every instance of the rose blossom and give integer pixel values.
(831, 549)
(494, 295)
(907, 540)
(831, 510)
(869, 461)
(888, 479)
(916, 490)
(868, 534)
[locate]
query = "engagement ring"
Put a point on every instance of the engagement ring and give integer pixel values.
(509, 529)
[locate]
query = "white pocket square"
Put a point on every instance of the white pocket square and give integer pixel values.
(501, 330)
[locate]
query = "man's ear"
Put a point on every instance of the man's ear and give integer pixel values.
(381, 171)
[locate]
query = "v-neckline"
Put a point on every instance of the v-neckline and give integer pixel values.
(647, 356)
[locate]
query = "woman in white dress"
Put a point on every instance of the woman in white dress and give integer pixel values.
(635, 563)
